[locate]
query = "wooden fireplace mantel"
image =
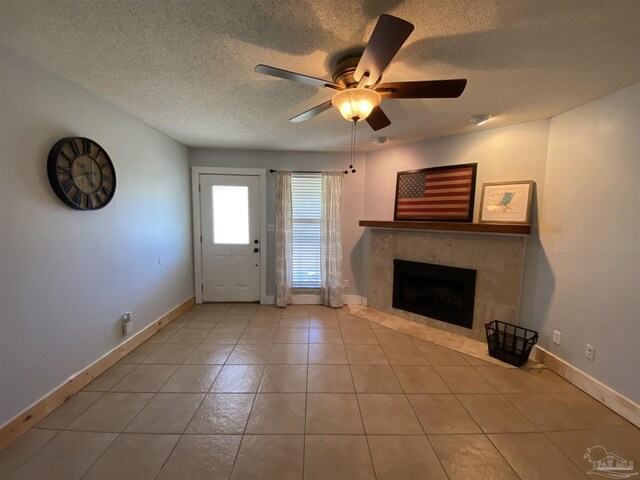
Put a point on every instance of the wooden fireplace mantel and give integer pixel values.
(497, 228)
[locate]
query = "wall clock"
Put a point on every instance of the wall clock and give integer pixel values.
(81, 173)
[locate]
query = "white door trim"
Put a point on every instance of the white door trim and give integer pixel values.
(195, 208)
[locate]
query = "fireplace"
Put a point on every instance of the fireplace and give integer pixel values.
(436, 291)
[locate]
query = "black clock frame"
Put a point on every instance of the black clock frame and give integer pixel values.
(56, 185)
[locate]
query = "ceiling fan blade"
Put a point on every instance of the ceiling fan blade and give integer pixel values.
(387, 38)
(312, 112)
(425, 89)
(377, 119)
(297, 77)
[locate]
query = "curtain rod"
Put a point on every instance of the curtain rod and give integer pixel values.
(271, 170)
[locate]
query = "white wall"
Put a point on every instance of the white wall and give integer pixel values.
(516, 152)
(67, 276)
(588, 284)
(353, 251)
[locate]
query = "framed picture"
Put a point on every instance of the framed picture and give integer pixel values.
(443, 194)
(506, 202)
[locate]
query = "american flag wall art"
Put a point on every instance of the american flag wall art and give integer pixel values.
(439, 194)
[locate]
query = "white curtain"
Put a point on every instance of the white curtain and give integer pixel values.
(331, 239)
(284, 242)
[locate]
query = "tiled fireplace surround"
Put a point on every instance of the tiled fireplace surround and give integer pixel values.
(498, 260)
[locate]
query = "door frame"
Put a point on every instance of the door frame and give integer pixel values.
(195, 208)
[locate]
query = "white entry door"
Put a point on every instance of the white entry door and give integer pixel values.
(230, 233)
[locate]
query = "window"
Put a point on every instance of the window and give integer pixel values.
(306, 206)
(230, 214)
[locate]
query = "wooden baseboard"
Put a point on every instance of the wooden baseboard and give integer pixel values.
(36, 412)
(615, 401)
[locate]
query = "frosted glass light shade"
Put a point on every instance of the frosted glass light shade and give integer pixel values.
(356, 104)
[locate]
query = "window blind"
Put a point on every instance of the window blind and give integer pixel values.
(306, 205)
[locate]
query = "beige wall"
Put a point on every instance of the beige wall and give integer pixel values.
(588, 283)
(517, 152)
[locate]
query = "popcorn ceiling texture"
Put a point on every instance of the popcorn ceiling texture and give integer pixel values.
(186, 67)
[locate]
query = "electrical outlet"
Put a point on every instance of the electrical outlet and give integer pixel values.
(556, 337)
(589, 351)
(346, 284)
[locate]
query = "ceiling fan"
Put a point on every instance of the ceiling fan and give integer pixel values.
(357, 78)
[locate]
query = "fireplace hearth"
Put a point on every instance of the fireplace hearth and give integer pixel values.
(437, 291)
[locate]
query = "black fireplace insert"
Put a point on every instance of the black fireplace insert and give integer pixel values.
(436, 291)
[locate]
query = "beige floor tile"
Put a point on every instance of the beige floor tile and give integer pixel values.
(108, 379)
(589, 410)
(238, 379)
(111, 413)
(210, 353)
(292, 335)
(464, 380)
(222, 413)
(622, 441)
(203, 322)
(343, 310)
(442, 414)
(260, 321)
(375, 379)
(23, 448)
(476, 362)
(269, 310)
(405, 457)
(471, 457)
(163, 335)
(201, 457)
(243, 309)
(495, 414)
(388, 414)
(69, 410)
(521, 380)
(294, 322)
(322, 311)
(421, 343)
(67, 457)
(277, 413)
(288, 353)
(284, 379)
(534, 457)
(189, 335)
(324, 322)
(140, 353)
(171, 353)
(262, 457)
(366, 355)
(437, 355)
(332, 413)
(376, 326)
(391, 337)
(145, 378)
(404, 355)
(337, 457)
(215, 309)
(192, 379)
(249, 355)
(419, 379)
(359, 336)
(351, 321)
(547, 413)
(329, 379)
(327, 354)
(224, 336)
(296, 310)
(234, 321)
(166, 413)
(258, 335)
(325, 335)
(133, 457)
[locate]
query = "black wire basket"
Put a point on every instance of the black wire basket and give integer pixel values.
(510, 343)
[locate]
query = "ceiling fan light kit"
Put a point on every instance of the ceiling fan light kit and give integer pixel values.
(357, 79)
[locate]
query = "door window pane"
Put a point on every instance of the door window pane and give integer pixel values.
(230, 214)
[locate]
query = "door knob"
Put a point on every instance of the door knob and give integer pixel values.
(256, 250)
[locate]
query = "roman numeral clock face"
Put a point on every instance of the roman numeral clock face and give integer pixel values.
(81, 173)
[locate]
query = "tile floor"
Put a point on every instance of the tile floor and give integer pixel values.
(256, 392)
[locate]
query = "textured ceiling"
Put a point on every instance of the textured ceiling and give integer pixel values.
(186, 66)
